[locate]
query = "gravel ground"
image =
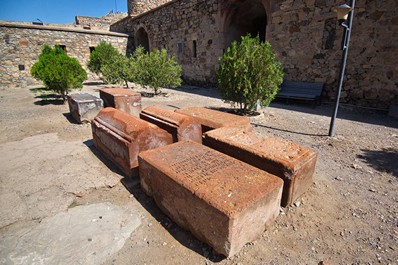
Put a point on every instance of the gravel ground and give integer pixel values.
(348, 216)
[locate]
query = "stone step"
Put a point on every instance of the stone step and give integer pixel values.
(213, 119)
(221, 200)
(121, 137)
(294, 163)
(123, 99)
(180, 126)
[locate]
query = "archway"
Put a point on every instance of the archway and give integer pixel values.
(243, 17)
(141, 39)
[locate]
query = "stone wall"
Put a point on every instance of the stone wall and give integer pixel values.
(188, 29)
(307, 37)
(137, 7)
(99, 23)
(21, 44)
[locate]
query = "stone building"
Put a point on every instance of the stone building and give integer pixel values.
(22, 42)
(304, 33)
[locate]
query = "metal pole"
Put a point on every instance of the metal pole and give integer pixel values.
(346, 43)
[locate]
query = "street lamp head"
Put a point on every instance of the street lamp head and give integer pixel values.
(342, 12)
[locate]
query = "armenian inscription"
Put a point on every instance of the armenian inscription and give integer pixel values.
(199, 168)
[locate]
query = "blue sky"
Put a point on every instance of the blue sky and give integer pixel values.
(57, 11)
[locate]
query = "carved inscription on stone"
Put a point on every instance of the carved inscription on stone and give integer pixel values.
(199, 168)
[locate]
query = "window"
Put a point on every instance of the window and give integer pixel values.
(194, 51)
(21, 67)
(180, 47)
(63, 47)
(92, 49)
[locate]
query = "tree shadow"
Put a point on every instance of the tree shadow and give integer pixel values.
(46, 97)
(93, 83)
(384, 160)
(183, 236)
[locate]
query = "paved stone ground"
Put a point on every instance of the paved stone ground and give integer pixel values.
(49, 169)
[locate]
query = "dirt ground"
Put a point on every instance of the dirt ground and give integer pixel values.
(348, 216)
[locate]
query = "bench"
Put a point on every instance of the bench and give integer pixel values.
(309, 91)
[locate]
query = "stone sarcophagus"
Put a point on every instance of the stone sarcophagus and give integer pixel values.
(221, 200)
(84, 107)
(121, 137)
(294, 163)
(180, 126)
(123, 99)
(213, 119)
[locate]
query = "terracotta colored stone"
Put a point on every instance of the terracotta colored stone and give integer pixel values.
(181, 127)
(84, 107)
(212, 119)
(121, 137)
(221, 200)
(123, 99)
(294, 163)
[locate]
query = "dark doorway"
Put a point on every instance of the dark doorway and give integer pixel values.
(247, 16)
(141, 39)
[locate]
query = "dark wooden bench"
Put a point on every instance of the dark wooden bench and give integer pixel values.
(309, 91)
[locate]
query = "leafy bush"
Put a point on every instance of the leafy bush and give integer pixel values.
(114, 67)
(156, 69)
(249, 73)
(58, 71)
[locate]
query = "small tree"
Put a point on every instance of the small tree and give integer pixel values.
(156, 69)
(58, 71)
(249, 73)
(114, 67)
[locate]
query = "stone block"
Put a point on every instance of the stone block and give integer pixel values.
(180, 126)
(121, 137)
(294, 163)
(84, 107)
(123, 99)
(212, 119)
(221, 200)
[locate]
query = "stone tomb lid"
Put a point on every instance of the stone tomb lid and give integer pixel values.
(83, 97)
(166, 115)
(280, 150)
(120, 91)
(226, 183)
(124, 122)
(214, 118)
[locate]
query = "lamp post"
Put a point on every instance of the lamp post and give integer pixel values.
(345, 13)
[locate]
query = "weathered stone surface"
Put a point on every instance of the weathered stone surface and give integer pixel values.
(88, 234)
(121, 137)
(294, 163)
(122, 99)
(181, 127)
(222, 201)
(84, 107)
(212, 119)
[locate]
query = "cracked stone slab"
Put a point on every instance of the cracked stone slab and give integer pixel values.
(88, 234)
(40, 175)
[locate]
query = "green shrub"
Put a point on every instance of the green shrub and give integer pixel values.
(249, 73)
(58, 71)
(114, 67)
(156, 69)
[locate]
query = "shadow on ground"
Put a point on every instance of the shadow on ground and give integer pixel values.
(184, 237)
(201, 91)
(345, 112)
(384, 160)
